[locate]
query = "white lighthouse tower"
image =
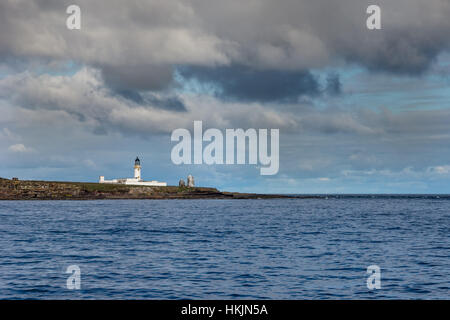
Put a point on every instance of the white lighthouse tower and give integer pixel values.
(137, 180)
(137, 169)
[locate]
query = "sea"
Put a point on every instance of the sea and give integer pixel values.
(227, 249)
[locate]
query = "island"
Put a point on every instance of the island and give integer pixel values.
(15, 189)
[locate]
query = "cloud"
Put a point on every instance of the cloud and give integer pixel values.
(172, 103)
(439, 170)
(433, 172)
(85, 99)
(6, 134)
(136, 43)
(242, 83)
(334, 122)
(296, 35)
(137, 77)
(20, 148)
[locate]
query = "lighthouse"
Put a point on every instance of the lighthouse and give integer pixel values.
(137, 169)
(137, 180)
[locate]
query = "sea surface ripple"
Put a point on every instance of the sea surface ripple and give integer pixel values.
(226, 249)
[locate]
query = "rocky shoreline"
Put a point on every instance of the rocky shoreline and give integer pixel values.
(52, 190)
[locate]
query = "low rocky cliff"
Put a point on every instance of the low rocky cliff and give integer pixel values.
(48, 190)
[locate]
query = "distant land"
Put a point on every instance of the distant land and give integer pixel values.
(54, 190)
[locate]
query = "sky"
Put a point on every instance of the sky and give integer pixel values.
(358, 110)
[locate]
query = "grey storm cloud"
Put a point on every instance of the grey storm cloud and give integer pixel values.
(247, 84)
(135, 82)
(136, 43)
(137, 77)
(171, 103)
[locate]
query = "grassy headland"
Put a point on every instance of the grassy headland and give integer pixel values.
(55, 190)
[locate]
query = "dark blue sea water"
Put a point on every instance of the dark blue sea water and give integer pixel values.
(226, 249)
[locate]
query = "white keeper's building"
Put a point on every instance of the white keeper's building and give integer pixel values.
(136, 181)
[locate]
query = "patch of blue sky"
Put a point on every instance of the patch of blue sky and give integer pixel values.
(66, 68)
(60, 68)
(195, 87)
(5, 71)
(367, 89)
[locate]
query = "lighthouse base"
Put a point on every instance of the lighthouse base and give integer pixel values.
(133, 182)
